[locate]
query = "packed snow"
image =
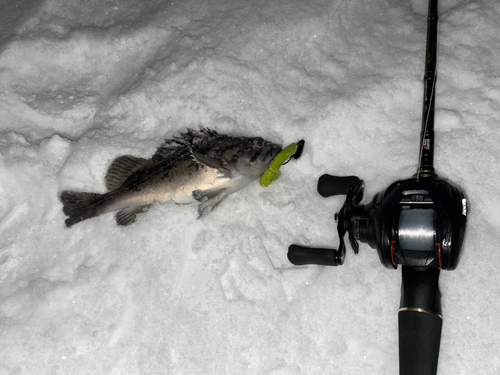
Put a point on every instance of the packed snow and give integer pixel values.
(85, 81)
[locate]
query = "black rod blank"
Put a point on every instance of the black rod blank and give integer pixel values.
(426, 166)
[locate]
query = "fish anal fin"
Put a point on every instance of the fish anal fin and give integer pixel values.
(122, 168)
(127, 215)
(209, 200)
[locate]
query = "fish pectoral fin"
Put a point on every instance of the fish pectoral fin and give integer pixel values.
(199, 196)
(209, 200)
(121, 169)
(127, 215)
(209, 161)
(205, 195)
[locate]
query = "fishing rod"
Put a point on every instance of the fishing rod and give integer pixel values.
(418, 223)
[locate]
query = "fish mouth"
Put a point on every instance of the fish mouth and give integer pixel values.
(275, 151)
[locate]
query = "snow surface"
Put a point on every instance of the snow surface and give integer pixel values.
(84, 81)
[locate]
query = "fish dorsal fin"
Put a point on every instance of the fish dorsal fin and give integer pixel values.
(127, 215)
(163, 152)
(122, 168)
(184, 142)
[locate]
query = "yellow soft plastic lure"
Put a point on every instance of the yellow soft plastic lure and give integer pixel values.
(272, 173)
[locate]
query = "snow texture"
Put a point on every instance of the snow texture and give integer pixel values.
(84, 81)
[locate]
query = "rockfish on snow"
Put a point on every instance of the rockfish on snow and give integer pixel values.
(201, 166)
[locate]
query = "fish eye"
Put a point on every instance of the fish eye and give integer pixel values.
(258, 142)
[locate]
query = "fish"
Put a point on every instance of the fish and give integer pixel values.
(196, 166)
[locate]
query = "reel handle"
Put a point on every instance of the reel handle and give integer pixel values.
(420, 322)
(329, 185)
(300, 255)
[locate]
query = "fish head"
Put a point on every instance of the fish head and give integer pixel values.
(251, 156)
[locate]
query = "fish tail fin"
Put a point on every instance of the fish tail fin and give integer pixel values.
(80, 206)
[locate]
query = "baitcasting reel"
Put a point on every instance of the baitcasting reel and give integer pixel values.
(416, 223)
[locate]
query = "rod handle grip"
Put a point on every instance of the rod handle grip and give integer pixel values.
(420, 322)
(419, 341)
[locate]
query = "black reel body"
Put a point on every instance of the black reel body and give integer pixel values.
(417, 223)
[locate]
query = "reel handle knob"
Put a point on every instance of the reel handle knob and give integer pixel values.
(300, 255)
(329, 185)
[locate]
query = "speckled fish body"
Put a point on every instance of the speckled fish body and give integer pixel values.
(198, 166)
